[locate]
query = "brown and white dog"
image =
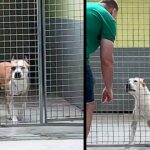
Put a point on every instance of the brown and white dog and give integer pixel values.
(14, 81)
(137, 88)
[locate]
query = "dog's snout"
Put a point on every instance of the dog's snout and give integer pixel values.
(128, 87)
(17, 75)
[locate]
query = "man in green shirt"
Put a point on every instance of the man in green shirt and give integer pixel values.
(100, 31)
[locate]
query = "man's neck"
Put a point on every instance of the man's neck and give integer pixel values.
(105, 6)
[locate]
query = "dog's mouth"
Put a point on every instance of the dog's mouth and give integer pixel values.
(129, 88)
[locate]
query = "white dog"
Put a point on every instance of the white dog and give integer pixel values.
(137, 88)
(14, 81)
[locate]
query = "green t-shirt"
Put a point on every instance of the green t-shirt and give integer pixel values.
(99, 24)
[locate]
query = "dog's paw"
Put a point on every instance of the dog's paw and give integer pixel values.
(14, 120)
(9, 117)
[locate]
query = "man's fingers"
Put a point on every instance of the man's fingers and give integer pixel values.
(103, 96)
(106, 99)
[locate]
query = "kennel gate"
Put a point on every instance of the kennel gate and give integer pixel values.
(50, 34)
(111, 123)
(63, 44)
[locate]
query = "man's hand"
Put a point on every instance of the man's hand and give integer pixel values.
(107, 96)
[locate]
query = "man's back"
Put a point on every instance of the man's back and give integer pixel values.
(99, 24)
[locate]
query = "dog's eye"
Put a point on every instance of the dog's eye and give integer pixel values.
(13, 68)
(135, 81)
(22, 67)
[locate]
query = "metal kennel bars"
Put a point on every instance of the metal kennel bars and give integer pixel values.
(111, 123)
(50, 34)
(63, 40)
(18, 38)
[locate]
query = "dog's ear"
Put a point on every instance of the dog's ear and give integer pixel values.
(143, 83)
(27, 61)
(12, 58)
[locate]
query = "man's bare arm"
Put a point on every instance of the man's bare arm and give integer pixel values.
(106, 54)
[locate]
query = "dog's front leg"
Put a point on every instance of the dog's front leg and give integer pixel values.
(133, 130)
(10, 109)
(9, 106)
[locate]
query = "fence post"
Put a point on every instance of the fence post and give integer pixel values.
(41, 60)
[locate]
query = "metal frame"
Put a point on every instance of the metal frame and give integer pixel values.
(131, 57)
(115, 145)
(41, 51)
(36, 110)
(45, 42)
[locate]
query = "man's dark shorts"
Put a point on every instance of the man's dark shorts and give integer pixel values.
(89, 85)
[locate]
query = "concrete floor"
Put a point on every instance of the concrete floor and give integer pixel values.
(41, 133)
(41, 138)
(42, 145)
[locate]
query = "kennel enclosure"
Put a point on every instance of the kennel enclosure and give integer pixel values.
(50, 34)
(111, 124)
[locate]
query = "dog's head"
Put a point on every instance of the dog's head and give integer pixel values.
(19, 68)
(136, 86)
